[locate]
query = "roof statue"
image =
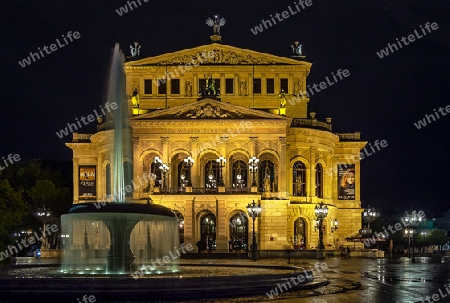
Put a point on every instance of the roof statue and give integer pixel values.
(135, 49)
(216, 22)
(296, 49)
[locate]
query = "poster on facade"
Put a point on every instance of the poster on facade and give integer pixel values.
(346, 179)
(87, 183)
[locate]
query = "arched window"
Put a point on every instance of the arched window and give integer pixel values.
(267, 176)
(211, 175)
(299, 179)
(239, 174)
(183, 175)
(319, 180)
(108, 180)
(156, 173)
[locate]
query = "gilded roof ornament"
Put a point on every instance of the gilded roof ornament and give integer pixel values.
(216, 22)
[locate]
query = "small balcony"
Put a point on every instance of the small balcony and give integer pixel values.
(77, 137)
(356, 136)
(310, 123)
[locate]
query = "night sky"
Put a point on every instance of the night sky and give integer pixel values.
(382, 98)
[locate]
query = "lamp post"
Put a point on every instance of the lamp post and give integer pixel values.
(254, 211)
(164, 169)
(253, 166)
(44, 214)
(221, 161)
(412, 220)
(369, 215)
(321, 212)
(189, 162)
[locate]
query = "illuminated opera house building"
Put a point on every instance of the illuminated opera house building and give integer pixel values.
(216, 127)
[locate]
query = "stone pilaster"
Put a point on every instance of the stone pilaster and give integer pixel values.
(137, 168)
(195, 169)
(271, 231)
(222, 225)
(165, 152)
(281, 166)
(76, 177)
(312, 168)
(101, 178)
(189, 223)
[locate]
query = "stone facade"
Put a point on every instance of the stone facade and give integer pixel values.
(172, 119)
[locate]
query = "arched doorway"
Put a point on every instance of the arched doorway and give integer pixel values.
(238, 232)
(207, 230)
(300, 234)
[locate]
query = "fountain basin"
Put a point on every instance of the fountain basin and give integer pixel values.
(110, 238)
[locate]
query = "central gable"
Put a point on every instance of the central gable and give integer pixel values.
(216, 54)
(207, 109)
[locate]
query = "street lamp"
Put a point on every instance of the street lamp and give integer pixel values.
(221, 161)
(254, 211)
(369, 215)
(321, 212)
(164, 169)
(189, 162)
(412, 220)
(253, 166)
(44, 215)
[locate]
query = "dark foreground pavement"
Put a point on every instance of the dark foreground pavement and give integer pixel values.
(346, 280)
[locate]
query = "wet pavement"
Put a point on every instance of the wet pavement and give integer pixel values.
(358, 280)
(350, 280)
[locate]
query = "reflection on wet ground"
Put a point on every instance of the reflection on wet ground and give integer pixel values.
(360, 280)
(351, 280)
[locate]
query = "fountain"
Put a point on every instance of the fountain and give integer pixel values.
(111, 237)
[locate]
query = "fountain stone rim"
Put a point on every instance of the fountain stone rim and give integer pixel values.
(120, 207)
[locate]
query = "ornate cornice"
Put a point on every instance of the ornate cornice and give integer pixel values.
(208, 109)
(216, 54)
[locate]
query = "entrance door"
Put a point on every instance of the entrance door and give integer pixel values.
(300, 234)
(238, 232)
(208, 230)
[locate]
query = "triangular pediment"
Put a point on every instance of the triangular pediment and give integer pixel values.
(216, 54)
(207, 109)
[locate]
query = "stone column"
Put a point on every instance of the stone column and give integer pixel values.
(312, 168)
(195, 169)
(189, 224)
(334, 178)
(101, 178)
(328, 178)
(282, 165)
(165, 152)
(137, 168)
(221, 225)
(76, 176)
